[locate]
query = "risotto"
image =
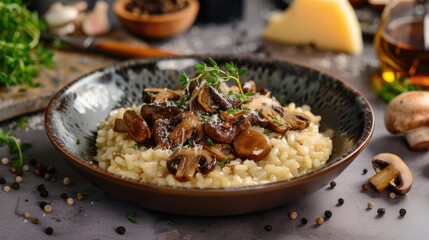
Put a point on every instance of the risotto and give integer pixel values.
(208, 134)
(294, 154)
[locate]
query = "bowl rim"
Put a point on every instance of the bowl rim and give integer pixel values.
(119, 10)
(352, 153)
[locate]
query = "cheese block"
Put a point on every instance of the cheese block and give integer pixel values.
(327, 24)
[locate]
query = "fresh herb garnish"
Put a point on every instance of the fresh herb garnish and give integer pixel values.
(210, 142)
(15, 147)
(132, 217)
(215, 75)
(277, 121)
(223, 162)
(22, 54)
(232, 110)
(78, 141)
(387, 91)
(22, 122)
(137, 146)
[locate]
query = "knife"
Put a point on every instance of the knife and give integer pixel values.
(110, 47)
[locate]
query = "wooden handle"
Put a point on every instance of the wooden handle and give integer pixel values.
(131, 51)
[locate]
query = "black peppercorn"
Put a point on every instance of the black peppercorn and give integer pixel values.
(36, 172)
(304, 221)
(42, 204)
(64, 195)
(2, 180)
(340, 201)
(19, 172)
(381, 211)
(268, 228)
(33, 161)
(39, 166)
(49, 230)
(41, 187)
(402, 212)
(44, 193)
(15, 185)
(50, 169)
(333, 184)
(120, 230)
(328, 214)
(364, 171)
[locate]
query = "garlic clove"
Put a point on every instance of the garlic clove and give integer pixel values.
(97, 22)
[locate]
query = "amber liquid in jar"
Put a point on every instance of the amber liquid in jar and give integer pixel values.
(402, 50)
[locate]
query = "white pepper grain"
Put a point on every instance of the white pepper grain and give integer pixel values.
(370, 205)
(18, 179)
(27, 215)
(5, 161)
(47, 208)
(6, 188)
(392, 195)
(67, 181)
(26, 168)
(293, 215)
(70, 201)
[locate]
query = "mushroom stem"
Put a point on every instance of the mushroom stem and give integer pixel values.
(418, 138)
(382, 179)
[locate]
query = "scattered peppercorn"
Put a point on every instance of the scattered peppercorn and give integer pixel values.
(304, 221)
(49, 230)
(35, 221)
(120, 230)
(37, 172)
(370, 205)
(6, 188)
(365, 186)
(293, 215)
(70, 201)
(13, 170)
(381, 211)
(364, 171)
(79, 196)
(392, 195)
(47, 177)
(2, 180)
(67, 181)
(320, 221)
(50, 169)
(333, 184)
(27, 215)
(328, 214)
(402, 212)
(44, 193)
(340, 201)
(268, 228)
(64, 195)
(41, 187)
(47, 208)
(5, 161)
(39, 166)
(15, 185)
(42, 204)
(25, 168)
(18, 179)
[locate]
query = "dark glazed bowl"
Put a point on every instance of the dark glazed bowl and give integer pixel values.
(76, 111)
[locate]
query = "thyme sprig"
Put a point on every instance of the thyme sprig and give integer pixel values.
(213, 74)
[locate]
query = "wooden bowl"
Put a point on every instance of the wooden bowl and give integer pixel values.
(157, 26)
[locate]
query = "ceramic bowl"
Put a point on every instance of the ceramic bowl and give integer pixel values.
(157, 26)
(76, 111)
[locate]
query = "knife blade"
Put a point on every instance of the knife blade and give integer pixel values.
(110, 47)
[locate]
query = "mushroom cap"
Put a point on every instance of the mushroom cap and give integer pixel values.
(403, 182)
(407, 111)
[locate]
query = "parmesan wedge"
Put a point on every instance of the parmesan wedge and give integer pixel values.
(328, 24)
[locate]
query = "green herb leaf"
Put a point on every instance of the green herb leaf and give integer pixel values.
(78, 141)
(242, 71)
(137, 146)
(22, 122)
(210, 142)
(277, 121)
(213, 62)
(132, 217)
(232, 110)
(14, 147)
(200, 67)
(223, 162)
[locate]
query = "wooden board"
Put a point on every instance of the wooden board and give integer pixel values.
(19, 100)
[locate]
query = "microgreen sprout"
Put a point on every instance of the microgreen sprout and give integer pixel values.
(15, 147)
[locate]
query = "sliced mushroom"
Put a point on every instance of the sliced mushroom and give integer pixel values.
(159, 95)
(267, 108)
(137, 127)
(206, 101)
(221, 100)
(220, 152)
(391, 170)
(160, 132)
(187, 161)
(252, 144)
(408, 113)
(219, 133)
(120, 125)
(152, 112)
(186, 126)
(296, 121)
